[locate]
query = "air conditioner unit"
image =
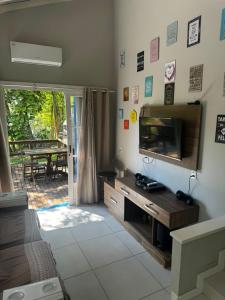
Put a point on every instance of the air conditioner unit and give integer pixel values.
(36, 54)
(11, 1)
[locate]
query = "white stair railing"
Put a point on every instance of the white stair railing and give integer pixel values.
(198, 252)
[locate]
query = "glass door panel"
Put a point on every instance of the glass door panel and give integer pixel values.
(73, 106)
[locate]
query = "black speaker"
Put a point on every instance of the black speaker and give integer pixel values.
(184, 197)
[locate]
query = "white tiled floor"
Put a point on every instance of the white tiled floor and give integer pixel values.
(159, 296)
(127, 280)
(98, 259)
(71, 261)
(155, 268)
(90, 231)
(130, 242)
(104, 250)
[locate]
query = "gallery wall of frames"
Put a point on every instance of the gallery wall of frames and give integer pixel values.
(169, 54)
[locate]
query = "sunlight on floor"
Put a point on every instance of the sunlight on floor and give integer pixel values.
(69, 216)
(92, 249)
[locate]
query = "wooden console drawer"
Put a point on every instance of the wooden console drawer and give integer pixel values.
(125, 190)
(130, 204)
(114, 200)
(151, 208)
(154, 210)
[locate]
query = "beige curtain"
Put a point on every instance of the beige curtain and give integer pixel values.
(103, 131)
(94, 143)
(6, 184)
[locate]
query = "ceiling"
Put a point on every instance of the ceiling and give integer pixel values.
(10, 5)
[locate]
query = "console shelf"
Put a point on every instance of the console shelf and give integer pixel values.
(145, 214)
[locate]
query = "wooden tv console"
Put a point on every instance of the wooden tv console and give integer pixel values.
(140, 213)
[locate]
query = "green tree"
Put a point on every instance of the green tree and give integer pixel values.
(34, 114)
(22, 107)
(49, 121)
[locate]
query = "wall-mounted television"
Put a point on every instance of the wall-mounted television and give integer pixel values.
(161, 135)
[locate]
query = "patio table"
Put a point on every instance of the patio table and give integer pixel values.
(48, 152)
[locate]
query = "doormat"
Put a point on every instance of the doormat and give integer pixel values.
(54, 206)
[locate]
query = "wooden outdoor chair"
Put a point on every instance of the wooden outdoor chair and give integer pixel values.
(36, 168)
(27, 166)
(39, 168)
(60, 165)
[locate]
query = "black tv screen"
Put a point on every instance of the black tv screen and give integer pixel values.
(161, 135)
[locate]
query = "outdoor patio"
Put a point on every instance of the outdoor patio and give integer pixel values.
(44, 193)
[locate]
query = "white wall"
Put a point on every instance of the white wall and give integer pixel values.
(196, 249)
(136, 23)
(82, 28)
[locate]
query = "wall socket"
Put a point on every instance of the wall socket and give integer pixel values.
(193, 174)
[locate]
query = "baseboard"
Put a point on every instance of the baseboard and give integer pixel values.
(190, 295)
(200, 279)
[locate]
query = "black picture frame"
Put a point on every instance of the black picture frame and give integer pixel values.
(220, 129)
(140, 61)
(199, 19)
(169, 93)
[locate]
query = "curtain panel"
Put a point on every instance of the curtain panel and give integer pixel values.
(95, 144)
(6, 184)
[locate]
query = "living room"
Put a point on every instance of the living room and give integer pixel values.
(131, 67)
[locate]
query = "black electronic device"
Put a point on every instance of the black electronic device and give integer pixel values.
(147, 184)
(197, 102)
(185, 197)
(161, 135)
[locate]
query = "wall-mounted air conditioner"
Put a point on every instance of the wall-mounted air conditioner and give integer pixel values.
(36, 54)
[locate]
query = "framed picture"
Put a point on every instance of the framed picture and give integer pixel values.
(222, 27)
(126, 94)
(133, 116)
(220, 129)
(148, 86)
(122, 59)
(140, 61)
(154, 50)
(126, 124)
(172, 31)
(169, 93)
(120, 113)
(194, 32)
(170, 72)
(224, 85)
(135, 94)
(196, 78)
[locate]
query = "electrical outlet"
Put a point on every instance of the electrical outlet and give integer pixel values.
(193, 174)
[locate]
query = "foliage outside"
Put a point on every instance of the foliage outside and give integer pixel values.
(34, 114)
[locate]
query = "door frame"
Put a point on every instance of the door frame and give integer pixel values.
(68, 90)
(71, 150)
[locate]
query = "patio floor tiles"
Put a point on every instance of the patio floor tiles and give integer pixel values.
(45, 193)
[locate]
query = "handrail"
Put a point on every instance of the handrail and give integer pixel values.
(195, 251)
(17, 147)
(199, 230)
(33, 141)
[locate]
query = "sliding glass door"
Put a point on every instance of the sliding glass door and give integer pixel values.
(73, 107)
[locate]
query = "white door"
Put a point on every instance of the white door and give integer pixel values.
(73, 106)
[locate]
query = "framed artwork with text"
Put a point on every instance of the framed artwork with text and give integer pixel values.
(194, 32)
(154, 50)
